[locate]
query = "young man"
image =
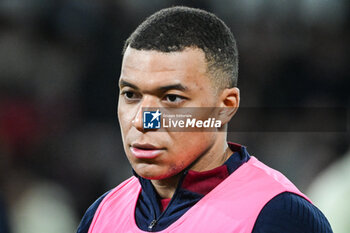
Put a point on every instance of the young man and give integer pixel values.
(191, 181)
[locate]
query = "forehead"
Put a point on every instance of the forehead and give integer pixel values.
(187, 65)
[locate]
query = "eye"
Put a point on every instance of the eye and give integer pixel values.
(174, 99)
(130, 95)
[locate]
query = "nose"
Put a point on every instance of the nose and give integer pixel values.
(137, 121)
(146, 102)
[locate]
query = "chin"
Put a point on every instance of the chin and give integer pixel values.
(152, 173)
(154, 176)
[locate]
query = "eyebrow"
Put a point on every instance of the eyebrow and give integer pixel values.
(123, 83)
(180, 87)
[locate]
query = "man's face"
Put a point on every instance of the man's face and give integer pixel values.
(156, 79)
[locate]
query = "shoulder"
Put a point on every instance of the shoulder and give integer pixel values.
(289, 212)
(90, 212)
(89, 215)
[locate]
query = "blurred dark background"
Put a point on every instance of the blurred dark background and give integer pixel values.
(60, 145)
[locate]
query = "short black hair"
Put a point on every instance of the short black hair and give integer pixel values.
(176, 28)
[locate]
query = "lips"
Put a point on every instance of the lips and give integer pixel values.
(145, 151)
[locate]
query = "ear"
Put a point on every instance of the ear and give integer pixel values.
(229, 102)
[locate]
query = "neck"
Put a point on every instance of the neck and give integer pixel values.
(214, 157)
(166, 187)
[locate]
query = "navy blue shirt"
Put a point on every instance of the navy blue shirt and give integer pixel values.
(287, 212)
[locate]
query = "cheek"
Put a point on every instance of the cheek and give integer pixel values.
(124, 117)
(187, 146)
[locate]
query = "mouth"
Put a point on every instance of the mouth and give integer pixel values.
(145, 151)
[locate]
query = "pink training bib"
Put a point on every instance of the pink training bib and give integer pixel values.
(232, 206)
